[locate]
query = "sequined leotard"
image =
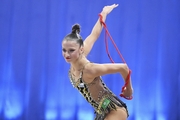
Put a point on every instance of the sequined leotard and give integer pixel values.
(98, 95)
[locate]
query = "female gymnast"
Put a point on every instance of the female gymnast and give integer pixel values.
(86, 76)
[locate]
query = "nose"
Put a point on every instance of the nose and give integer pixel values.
(66, 54)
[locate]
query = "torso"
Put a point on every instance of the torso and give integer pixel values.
(94, 90)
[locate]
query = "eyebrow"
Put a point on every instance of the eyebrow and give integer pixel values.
(69, 49)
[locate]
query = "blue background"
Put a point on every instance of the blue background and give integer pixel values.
(34, 82)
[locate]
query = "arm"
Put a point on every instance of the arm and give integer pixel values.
(91, 39)
(96, 70)
(109, 68)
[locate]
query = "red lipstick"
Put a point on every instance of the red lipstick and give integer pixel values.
(67, 58)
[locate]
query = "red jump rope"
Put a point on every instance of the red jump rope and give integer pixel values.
(106, 43)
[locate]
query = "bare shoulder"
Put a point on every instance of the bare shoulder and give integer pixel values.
(93, 70)
(88, 71)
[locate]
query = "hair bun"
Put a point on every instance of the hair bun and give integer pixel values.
(76, 29)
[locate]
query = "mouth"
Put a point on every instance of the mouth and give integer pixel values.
(67, 58)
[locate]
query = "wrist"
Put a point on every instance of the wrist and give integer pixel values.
(104, 14)
(129, 87)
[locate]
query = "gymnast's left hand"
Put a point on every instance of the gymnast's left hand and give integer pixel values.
(109, 8)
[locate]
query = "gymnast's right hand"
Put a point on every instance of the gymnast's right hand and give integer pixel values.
(127, 92)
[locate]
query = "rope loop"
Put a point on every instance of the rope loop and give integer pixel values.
(106, 43)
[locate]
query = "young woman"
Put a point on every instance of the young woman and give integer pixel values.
(85, 75)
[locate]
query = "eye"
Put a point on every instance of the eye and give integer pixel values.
(63, 50)
(71, 50)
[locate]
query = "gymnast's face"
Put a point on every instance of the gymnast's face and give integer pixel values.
(71, 50)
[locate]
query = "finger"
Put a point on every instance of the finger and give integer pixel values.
(115, 5)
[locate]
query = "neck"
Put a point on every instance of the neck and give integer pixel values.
(79, 64)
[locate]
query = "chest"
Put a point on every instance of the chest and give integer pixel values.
(76, 75)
